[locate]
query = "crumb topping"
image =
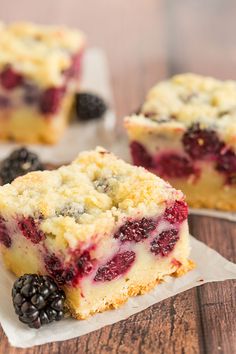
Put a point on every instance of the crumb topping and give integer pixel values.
(39, 52)
(73, 202)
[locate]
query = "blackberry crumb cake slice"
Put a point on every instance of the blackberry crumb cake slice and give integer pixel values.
(39, 72)
(102, 229)
(186, 134)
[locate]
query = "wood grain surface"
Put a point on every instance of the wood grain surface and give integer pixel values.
(145, 41)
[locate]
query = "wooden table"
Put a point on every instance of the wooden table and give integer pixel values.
(147, 40)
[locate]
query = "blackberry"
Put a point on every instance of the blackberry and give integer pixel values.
(200, 143)
(5, 238)
(177, 212)
(165, 242)
(174, 165)
(84, 263)
(89, 106)
(37, 300)
(10, 79)
(20, 162)
(140, 155)
(29, 228)
(136, 230)
(118, 265)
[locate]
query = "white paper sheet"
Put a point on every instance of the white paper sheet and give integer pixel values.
(210, 265)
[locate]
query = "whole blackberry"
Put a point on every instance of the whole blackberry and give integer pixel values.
(89, 106)
(20, 162)
(37, 300)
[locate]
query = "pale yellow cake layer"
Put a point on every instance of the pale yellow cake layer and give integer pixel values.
(27, 125)
(207, 191)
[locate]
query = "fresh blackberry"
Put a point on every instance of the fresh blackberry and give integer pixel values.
(37, 300)
(20, 162)
(89, 106)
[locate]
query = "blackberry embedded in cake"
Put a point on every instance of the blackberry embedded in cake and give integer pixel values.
(102, 229)
(18, 163)
(89, 106)
(186, 133)
(39, 74)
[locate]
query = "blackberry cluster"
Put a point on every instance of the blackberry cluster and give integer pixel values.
(20, 162)
(89, 106)
(37, 300)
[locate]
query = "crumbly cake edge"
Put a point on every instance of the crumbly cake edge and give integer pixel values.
(135, 291)
(225, 127)
(140, 122)
(43, 72)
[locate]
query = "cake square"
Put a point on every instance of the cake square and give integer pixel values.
(39, 73)
(102, 229)
(186, 133)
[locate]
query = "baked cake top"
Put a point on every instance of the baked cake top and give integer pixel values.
(186, 99)
(87, 196)
(39, 52)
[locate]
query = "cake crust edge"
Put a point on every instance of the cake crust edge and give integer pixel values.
(138, 290)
